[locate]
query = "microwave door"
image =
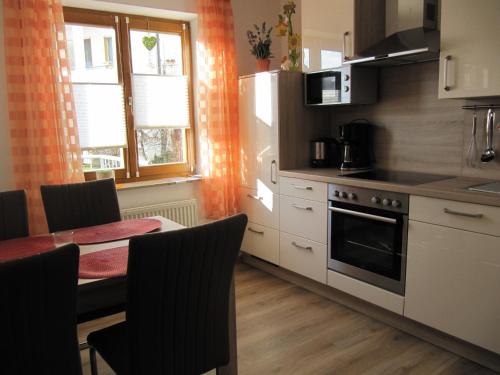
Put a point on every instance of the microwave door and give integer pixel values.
(323, 88)
(330, 89)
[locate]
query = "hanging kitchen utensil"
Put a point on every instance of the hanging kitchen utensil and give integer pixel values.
(489, 153)
(472, 150)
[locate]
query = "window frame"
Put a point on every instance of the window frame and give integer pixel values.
(122, 24)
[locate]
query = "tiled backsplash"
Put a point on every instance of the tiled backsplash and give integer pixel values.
(415, 130)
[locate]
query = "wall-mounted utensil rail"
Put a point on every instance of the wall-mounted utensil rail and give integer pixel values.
(481, 106)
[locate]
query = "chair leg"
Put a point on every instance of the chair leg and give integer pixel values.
(93, 360)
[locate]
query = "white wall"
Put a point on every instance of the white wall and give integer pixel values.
(246, 13)
(6, 178)
(145, 196)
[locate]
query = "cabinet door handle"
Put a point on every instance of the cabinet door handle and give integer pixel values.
(302, 187)
(445, 73)
(273, 173)
(307, 208)
(308, 248)
(344, 45)
(255, 197)
(466, 214)
(255, 231)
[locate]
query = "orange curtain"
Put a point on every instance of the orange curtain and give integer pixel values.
(218, 108)
(44, 136)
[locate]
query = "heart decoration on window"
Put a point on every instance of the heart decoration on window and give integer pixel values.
(149, 42)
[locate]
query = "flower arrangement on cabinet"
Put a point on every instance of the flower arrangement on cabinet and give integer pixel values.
(260, 43)
(285, 28)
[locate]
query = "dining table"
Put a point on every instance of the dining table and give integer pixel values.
(104, 296)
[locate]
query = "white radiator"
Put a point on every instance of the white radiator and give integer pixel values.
(182, 212)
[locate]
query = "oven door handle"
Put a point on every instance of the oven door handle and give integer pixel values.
(363, 215)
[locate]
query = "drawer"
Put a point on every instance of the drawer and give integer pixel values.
(304, 218)
(262, 242)
(312, 190)
(260, 208)
(460, 215)
(305, 257)
(380, 297)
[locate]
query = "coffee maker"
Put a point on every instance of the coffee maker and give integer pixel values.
(355, 142)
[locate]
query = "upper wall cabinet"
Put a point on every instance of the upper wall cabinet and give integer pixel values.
(335, 30)
(470, 49)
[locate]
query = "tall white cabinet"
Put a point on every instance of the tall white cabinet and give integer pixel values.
(470, 49)
(259, 119)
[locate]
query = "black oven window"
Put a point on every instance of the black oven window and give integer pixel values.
(367, 244)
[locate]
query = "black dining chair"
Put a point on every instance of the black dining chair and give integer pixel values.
(38, 333)
(178, 286)
(79, 205)
(13, 215)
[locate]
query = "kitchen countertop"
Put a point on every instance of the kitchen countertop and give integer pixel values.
(453, 188)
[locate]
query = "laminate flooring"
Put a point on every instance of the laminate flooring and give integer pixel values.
(284, 329)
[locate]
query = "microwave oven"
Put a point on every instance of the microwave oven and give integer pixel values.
(341, 86)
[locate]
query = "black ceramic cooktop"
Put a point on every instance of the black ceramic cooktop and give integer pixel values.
(403, 178)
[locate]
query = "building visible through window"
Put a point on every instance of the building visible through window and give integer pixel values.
(87, 44)
(108, 51)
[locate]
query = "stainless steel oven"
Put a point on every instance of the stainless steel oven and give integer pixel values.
(367, 235)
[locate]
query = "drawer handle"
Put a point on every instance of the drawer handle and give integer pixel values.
(308, 248)
(255, 197)
(255, 231)
(302, 187)
(466, 214)
(302, 207)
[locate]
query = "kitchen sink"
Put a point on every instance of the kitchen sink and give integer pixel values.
(490, 187)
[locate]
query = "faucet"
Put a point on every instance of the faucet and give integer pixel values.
(489, 153)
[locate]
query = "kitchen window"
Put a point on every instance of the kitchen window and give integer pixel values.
(132, 88)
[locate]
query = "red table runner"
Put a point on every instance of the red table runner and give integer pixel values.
(118, 230)
(25, 247)
(104, 264)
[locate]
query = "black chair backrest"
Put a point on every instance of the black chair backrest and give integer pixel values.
(80, 205)
(13, 215)
(178, 297)
(38, 314)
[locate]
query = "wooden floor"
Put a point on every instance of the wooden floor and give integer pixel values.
(283, 329)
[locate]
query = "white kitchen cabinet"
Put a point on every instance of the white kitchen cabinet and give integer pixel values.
(470, 49)
(262, 209)
(304, 218)
(453, 282)
(259, 164)
(460, 215)
(262, 242)
(311, 190)
(259, 116)
(335, 30)
(303, 256)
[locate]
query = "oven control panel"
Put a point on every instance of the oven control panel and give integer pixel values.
(381, 199)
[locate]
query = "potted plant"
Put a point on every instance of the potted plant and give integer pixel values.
(260, 43)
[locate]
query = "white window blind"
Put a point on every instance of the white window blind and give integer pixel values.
(100, 115)
(160, 101)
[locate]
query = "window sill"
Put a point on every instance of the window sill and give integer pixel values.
(162, 181)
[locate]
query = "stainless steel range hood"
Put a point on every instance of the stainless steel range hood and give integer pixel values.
(412, 35)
